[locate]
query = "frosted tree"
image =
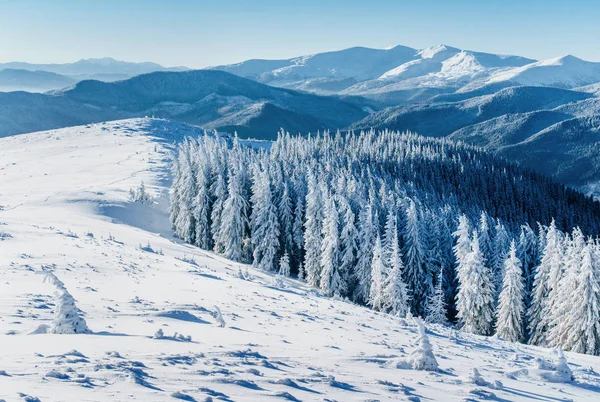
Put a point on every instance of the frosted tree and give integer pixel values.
(234, 219)
(581, 327)
(264, 223)
(174, 195)
(539, 312)
(332, 283)
(284, 264)
(390, 234)
(485, 239)
(395, 292)
(527, 253)
(501, 246)
(376, 296)
(348, 243)
(475, 298)
(312, 233)
(201, 206)
(218, 191)
(462, 246)
(422, 358)
(297, 229)
(66, 315)
(286, 219)
(185, 224)
(575, 323)
(511, 305)
(367, 232)
(436, 308)
(417, 278)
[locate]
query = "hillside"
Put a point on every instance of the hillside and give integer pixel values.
(32, 81)
(106, 69)
(504, 122)
(130, 278)
(210, 99)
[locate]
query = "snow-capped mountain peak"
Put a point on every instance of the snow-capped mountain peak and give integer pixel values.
(437, 51)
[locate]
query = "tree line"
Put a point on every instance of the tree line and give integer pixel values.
(386, 220)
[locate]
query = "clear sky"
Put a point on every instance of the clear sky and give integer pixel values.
(199, 33)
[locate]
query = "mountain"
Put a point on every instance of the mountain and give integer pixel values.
(516, 122)
(106, 69)
(357, 63)
(564, 72)
(378, 73)
(403, 75)
(32, 81)
(65, 210)
(208, 98)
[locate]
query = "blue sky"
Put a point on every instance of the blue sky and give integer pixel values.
(200, 33)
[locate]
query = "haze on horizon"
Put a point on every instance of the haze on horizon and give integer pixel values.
(200, 34)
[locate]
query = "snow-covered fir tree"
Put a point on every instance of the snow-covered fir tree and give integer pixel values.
(286, 219)
(234, 218)
(313, 232)
(264, 223)
(511, 305)
(418, 278)
(475, 299)
(284, 264)
(436, 307)
(539, 313)
(348, 243)
(501, 245)
(579, 330)
(367, 233)
(376, 295)
(395, 291)
(332, 282)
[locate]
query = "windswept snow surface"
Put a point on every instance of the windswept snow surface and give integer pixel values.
(64, 208)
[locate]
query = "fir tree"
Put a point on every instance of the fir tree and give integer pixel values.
(511, 306)
(417, 278)
(367, 232)
(436, 308)
(376, 297)
(312, 233)
(234, 219)
(582, 325)
(264, 223)
(395, 292)
(539, 313)
(475, 299)
(332, 283)
(284, 264)
(348, 243)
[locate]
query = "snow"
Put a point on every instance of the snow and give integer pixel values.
(64, 205)
(566, 72)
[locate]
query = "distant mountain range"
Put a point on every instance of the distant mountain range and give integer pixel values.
(406, 75)
(19, 76)
(542, 114)
(211, 99)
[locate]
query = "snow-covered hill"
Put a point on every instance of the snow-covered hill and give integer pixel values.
(65, 208)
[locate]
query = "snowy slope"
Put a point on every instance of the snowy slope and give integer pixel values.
(64, 208)
(565, 72)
